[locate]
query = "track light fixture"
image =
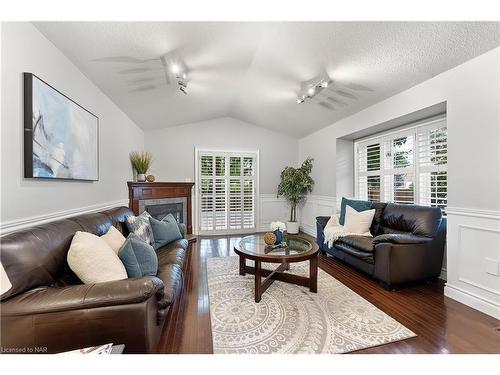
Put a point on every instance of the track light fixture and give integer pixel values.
(313, 87)
(175, 71)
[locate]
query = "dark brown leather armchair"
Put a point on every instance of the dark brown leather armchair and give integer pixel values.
(48, 308)
(408, 244)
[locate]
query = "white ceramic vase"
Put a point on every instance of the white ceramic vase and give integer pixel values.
(141, 177)
(292, 227)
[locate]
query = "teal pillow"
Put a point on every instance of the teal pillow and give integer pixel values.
(138, 257)
(164, 233)
(169, 219)
(357, 205)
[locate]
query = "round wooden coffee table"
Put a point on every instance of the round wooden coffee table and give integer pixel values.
(298, 249)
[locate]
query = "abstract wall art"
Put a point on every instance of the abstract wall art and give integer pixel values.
(61, 138)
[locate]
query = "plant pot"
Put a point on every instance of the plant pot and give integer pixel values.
(292, 227)
(141, 177)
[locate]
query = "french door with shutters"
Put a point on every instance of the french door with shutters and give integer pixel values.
(227, 191)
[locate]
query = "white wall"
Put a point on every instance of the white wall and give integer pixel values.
(24, 201)
(472, 95)
(174, 160)
(344, 177)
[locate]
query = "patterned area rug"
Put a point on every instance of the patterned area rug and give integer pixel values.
(289, 318)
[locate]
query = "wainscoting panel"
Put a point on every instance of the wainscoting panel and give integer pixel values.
(13, 225)
(315, 205)
(473, 257)
(272, 209)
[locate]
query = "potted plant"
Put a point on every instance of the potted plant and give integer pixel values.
(141, 161)
(294, 186)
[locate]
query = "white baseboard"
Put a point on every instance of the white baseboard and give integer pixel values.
(14, 225)
(473, 300)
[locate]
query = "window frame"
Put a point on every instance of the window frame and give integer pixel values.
(416, 169)
(198, 152)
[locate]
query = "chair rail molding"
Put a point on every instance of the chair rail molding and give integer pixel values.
(316, 205)
(473, 258)
(14, 225)
(271, 208)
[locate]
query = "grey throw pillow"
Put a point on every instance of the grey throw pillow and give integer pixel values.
(169, 219)
(164, 233)
(140, 226)
(138, 258)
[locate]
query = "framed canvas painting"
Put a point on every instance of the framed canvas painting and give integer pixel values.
(61, 138)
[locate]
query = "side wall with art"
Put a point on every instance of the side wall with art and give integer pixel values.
(27, 201)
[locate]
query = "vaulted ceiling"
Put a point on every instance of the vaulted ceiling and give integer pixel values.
(252, 71)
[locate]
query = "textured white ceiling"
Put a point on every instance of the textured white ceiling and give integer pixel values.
(252, 71)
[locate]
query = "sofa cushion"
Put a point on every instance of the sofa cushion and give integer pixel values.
(360, 254)
(173, 253)
(138, 257)
(362, 243)
(358, 205)
(164, 232)
(93, 261)
(417, 220)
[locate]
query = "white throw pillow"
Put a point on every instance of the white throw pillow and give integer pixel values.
(358, 222)
(114, 239)
(93, 261)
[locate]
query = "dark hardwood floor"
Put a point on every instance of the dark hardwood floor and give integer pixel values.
(442, 324)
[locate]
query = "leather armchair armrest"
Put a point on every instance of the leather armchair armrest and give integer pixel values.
(182, 228)
(398, 238)
(322, 220)
(85, 296)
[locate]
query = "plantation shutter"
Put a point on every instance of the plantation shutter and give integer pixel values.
(369, 171)
(407, 166)
(227, 191)
(432, 165)
(399, 170)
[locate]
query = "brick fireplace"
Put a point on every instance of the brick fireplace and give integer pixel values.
(162, 198)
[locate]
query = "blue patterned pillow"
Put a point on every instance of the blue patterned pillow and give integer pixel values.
(138, 257)
(140, 226)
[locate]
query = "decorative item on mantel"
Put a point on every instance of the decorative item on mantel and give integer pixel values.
(150, 178)
(141, 161)
(294, 186)
(278, 228)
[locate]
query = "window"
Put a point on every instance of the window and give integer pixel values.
(227, 191)
(406, 166)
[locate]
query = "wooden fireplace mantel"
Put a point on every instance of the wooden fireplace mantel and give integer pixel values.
(158, 190)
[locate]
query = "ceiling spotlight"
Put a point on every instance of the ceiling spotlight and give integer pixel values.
(182, 83)
(183, 89)
(175, 68)
(313, 86)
